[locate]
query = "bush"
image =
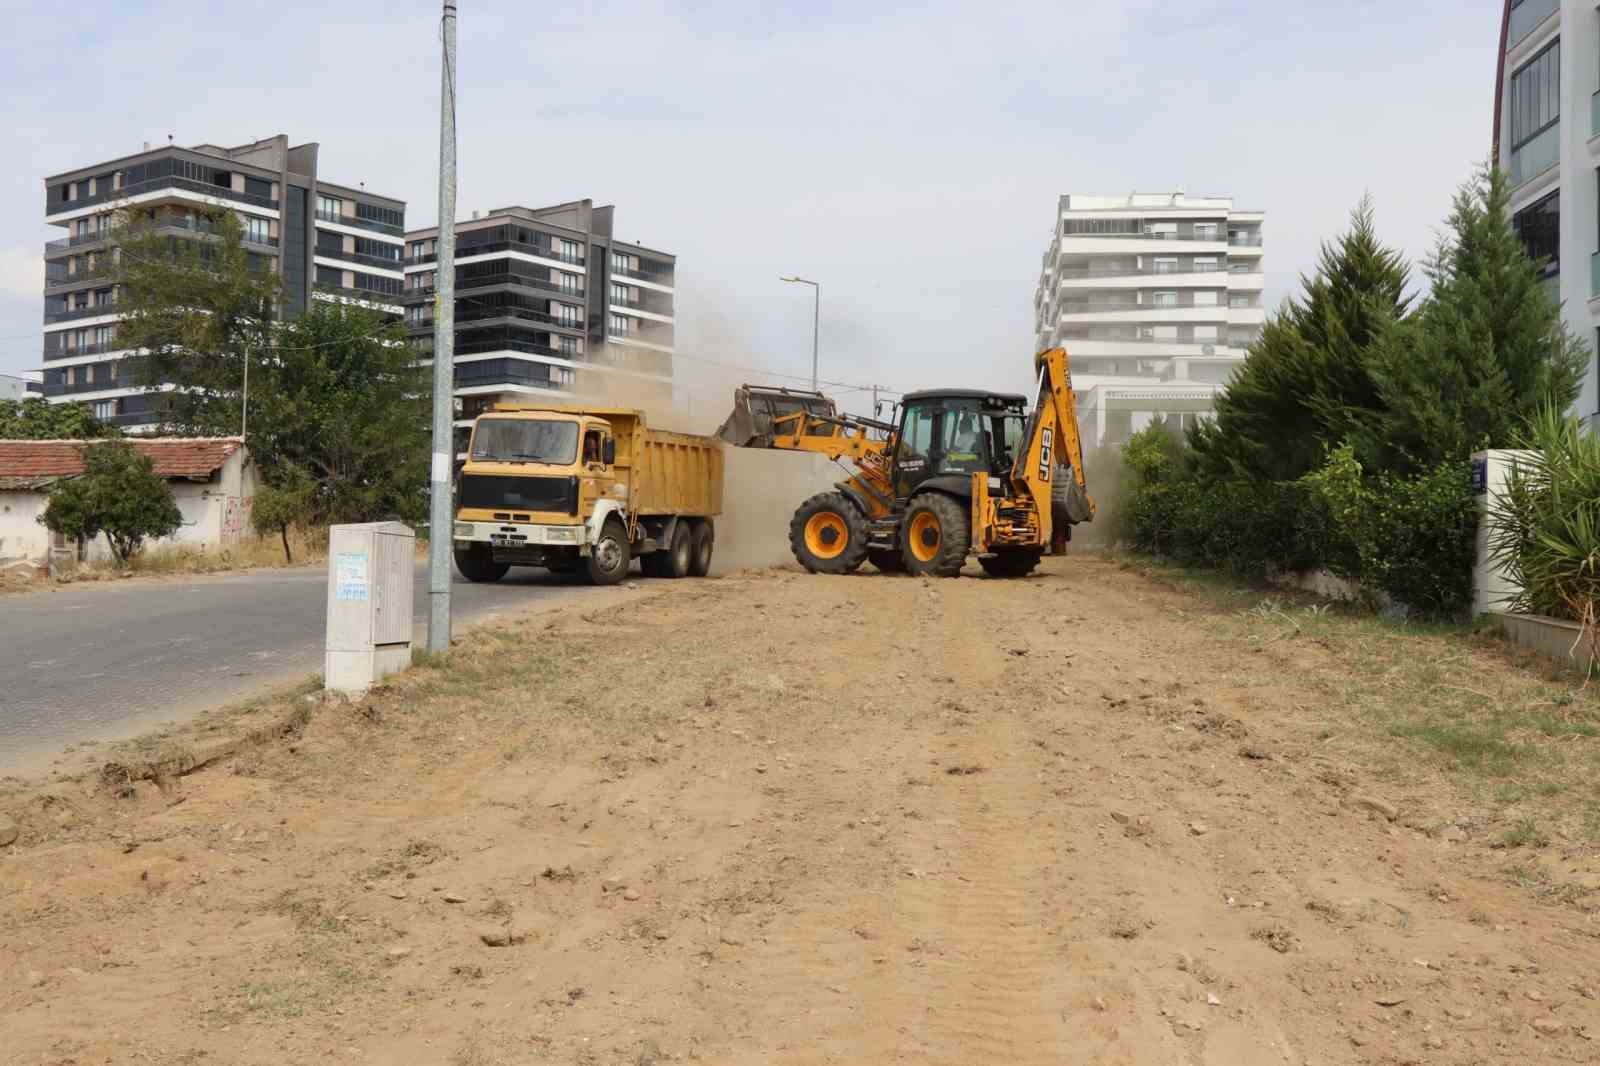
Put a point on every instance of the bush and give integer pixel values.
(1409, 538)
(1545, 531)
(119, 495)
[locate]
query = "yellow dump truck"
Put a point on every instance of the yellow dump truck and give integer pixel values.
(585, 489)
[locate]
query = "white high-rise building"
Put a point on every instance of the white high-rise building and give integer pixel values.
(1155, 298)
(1547, 140)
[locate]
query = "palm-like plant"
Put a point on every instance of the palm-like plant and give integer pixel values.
(1545, 528)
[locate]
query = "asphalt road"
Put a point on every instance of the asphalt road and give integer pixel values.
(105, 662)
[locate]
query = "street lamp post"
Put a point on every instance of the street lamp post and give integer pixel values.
(816, 314)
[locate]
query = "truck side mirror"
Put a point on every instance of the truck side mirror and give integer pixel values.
(608, 451)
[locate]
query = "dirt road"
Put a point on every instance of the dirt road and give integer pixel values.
(1081, 818)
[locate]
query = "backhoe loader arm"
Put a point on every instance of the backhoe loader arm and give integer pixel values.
(1054, 448)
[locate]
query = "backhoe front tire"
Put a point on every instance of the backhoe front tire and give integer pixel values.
(934, 535)
(607, 562)
(828, 534)
(478, 566)
(1017, 562)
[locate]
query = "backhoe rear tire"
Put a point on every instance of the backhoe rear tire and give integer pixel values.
(828, 534)
(935, 535)
(887, 560)
(478, 566)
(1016, 562)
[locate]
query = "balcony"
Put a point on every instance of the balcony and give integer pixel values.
(124, 381)
(51, 354)
(77, 313)
(1537, 155)
(492, 247)
(221, 192)
(654, 277)
(470, 314)
(1244, 240)
(1134, 272)
(1177, 312)
(387, 299)
(489, 281)
(77, 240)
(360, 258)
(1526, 17)
(361, 223)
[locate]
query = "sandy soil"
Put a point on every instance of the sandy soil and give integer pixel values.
(784, 818)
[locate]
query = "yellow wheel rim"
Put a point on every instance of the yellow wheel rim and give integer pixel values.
(826, 535)
(925, 536)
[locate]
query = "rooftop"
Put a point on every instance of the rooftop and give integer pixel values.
(37, 463)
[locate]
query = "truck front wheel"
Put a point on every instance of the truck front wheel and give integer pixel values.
(477, 565)
(608, 558)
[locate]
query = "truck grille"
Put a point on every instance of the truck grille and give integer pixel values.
(524, 493)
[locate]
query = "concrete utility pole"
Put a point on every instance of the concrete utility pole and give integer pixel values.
(816, 315)
(444, 334)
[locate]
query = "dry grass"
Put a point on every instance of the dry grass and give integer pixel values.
(1406, 699)
(249, 553)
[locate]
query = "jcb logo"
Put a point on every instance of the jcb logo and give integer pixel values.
(1044, 454)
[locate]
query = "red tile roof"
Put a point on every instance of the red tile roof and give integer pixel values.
(26, 463)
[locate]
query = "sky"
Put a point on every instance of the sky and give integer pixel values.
(907, 156)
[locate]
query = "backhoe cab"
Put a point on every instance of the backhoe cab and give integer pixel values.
(960, 472)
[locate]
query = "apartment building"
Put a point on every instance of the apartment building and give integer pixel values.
(548, 303)
(20, 386)
(1155, 297)
(1547, 140)
(326, 241)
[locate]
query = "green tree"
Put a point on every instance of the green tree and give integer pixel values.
(1486, 350)
(275, 508)
(1306, 384)
(119, 494)
(342, 404)
(197, 303)
(35, 419)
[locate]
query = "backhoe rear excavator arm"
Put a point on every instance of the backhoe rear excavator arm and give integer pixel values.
(1049, 467)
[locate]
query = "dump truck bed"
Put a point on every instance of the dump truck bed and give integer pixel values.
(675, 473)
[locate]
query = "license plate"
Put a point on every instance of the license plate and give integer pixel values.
(507, 542)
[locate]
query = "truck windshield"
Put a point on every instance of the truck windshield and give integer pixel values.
(523, 440)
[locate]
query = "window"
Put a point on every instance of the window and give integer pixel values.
(330, 207)
(918, 438)
(1205, 334)
(257, 230)
(1166, 266)
(378, 249)
(102, 298)
(1161, 229)
(1539, 226)
(1164, 333)
(1536, 95)
(1204, 265)
(619, 325)
(567, 345)
(1205, 231)
(1164, 299)
(962, 446)
(568, 282)
(1073, 226)
(330, 276)
(1238, 268)
(1238, 299)
(530, 440)
(567, 315)
(619, 294)
(421, 248)
(330, 243)
(569, 251)
(621, 263)
(104, 335)
(1205, 298)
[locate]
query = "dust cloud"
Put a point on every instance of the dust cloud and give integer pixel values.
(1106, 476)
(760, 488)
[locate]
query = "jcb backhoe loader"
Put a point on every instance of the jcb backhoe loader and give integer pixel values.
(962, 472)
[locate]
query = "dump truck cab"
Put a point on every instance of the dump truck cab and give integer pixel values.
(947, 435)
(571, 488)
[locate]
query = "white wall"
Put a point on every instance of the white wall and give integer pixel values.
(21, 535)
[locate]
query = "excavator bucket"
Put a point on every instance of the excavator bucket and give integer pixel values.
(758, 408)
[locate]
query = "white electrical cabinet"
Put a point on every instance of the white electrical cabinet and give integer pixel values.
(1492, 589)
(370, 570)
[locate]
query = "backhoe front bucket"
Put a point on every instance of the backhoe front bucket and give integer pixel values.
(757, 408)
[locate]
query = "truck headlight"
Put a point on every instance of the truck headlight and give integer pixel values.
(464, 530)
(568, 534)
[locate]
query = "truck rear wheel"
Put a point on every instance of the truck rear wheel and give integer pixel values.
(702, 537)
(1017, 562)
(679, 555)
(608, 558)
(828, 534)
(477, 565)
(934, 536)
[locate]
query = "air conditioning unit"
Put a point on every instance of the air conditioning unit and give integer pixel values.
(1208, 349)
